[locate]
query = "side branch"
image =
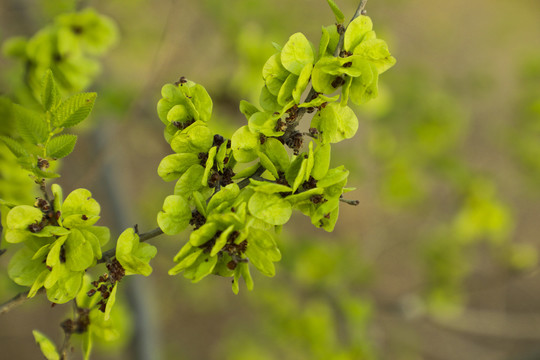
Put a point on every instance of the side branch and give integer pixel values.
(150, 234)
(109, 254)
(17, 300)
(242, 184)
(66, 345)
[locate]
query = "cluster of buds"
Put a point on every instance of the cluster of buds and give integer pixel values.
(105, 283)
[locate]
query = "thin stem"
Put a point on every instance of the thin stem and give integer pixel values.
(150, 234)
(64, 352)
(109, 254)
(43, 189)
(258, 178)
(350, 202)
(242, 184)
(17, 300)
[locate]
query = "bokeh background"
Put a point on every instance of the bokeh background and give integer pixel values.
(439, 260)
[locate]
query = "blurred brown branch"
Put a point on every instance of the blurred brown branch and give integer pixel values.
(16, 301)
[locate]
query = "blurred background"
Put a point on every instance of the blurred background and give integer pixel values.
(439, 260)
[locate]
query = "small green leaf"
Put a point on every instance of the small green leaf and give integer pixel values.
(333, 176)
(133, 255)
(277, 153)
(270, 208)
(173, 166)
(302, 83)
(286, 90)
(319, 100)
(258, 257)
(268, 101)
(20, 217)
(78, 251)
(189, 259)
(194, 139)
(190, 181)
(356, 31)
(345, 90)
(320, 79)
(245, 144)
(30, 125)
(221, 241)
(175, 215)
(247, 171)
(93, 239)
(66, 287)
(326, 215)
(50, 230)
(235, 285)
(267, 164)
(178, 113)
(15, 47)
(325, 39)
(203, 234)
(74, 110)
(58, 197)
(296, 172)
(209, 165)
(87, 345)
(361, 92)
(46, 345)
(376, 51)
(220, 156)
(265, 241)
(337, 12)
(264, 123)
(53, 257)
(335, 123)
(304, 196)
(297, 53)
(80, 209)
(248, 108)
(61, 146)
(204, 269)
(200, 202)
(38, 284)
(7, 204)
(321, 161)
(226, 195)
(274, 68)
(110, 301)
(15, 147)
(184, 252)
(23, 269)
(202, 101)
(50, 96)
(274, 84)
(244, 271)
(269, 187)
(102, 233)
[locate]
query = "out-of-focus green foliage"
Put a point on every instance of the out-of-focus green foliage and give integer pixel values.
(525, 134)
(68, 47)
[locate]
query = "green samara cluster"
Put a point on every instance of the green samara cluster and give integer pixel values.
(68, 47)
(236, 192)
(61, 242)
